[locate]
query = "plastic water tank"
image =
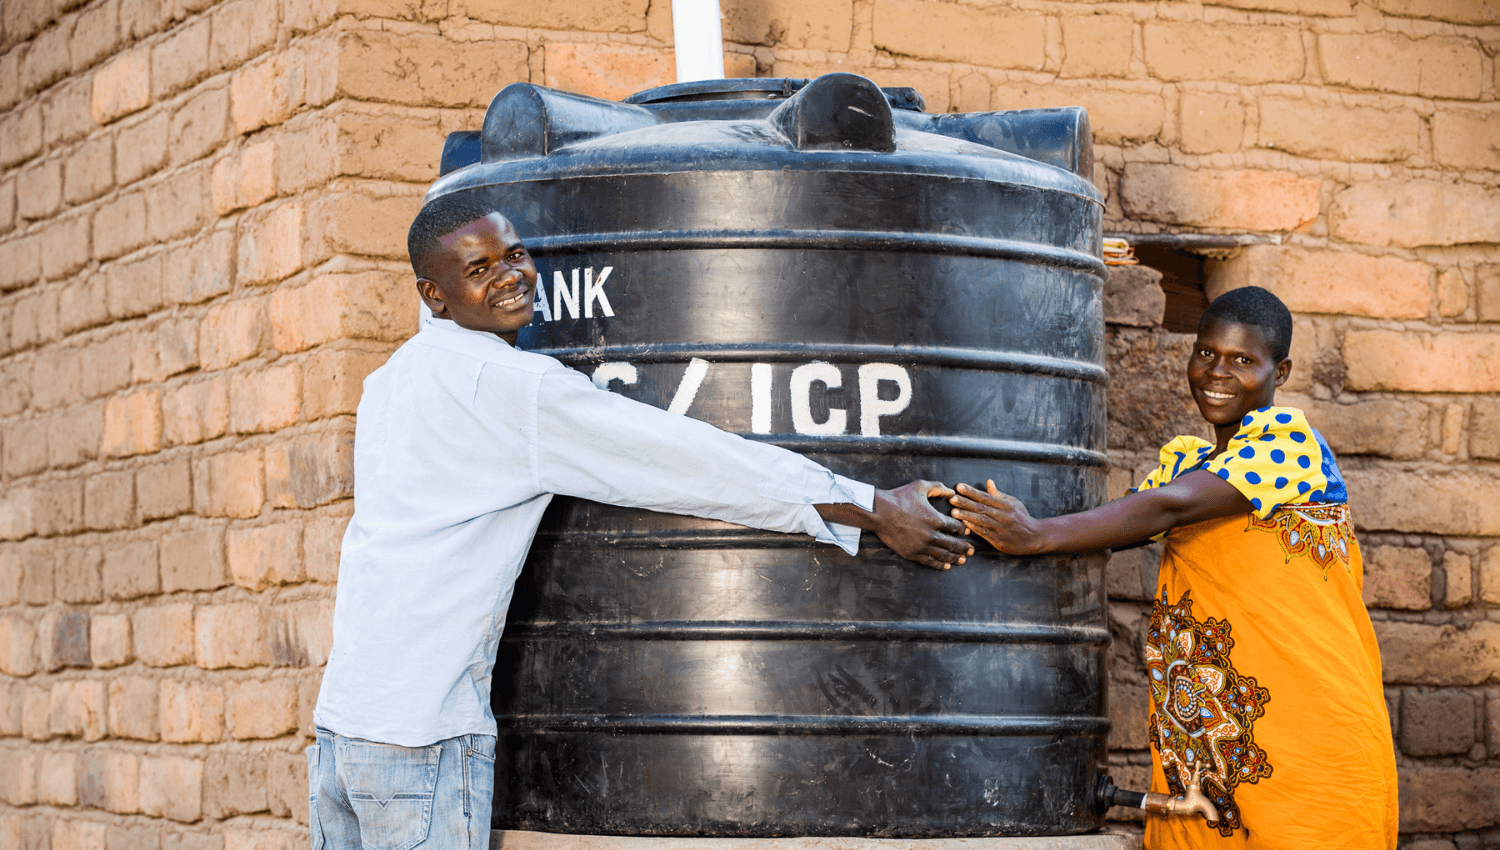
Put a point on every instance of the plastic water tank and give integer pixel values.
(823, 266)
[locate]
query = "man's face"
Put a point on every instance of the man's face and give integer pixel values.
(1232, 372)
(482, 278)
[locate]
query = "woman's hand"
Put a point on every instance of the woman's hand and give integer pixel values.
(998, 518)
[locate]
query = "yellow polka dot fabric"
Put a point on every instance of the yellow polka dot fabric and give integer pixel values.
(1274, 459)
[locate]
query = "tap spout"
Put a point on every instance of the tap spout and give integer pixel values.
(1193, 802)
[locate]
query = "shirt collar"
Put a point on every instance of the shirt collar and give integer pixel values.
(446, 333)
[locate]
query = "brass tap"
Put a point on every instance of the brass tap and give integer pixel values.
(1189, 803)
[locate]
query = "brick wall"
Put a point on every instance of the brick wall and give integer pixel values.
(201, 215)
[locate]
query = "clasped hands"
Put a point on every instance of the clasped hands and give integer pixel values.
(907, 523)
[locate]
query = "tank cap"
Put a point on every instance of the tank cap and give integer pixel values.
(734, 88)
(758, 88)
(837, 112)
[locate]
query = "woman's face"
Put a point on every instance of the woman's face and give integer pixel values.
(1232, 372)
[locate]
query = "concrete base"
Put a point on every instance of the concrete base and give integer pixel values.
(1107, 840)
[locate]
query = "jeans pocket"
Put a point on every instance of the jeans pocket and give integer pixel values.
(390, 789)
(479, 788)
(313, 824)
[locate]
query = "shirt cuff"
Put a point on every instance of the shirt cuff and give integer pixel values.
(842, 491)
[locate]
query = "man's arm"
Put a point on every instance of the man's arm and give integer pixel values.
(904, 520)
(1003, 521)
(602, 446)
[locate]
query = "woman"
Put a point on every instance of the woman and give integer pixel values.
(1263, 665)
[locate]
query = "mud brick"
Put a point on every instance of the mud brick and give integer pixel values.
(78, 709)
(110, 780)
(78, 578)
(18, 655)
(165, 349)
(34, 318)
(133, 288)
(190, 712)
(467, 75)
(18, 775)
(234, 784)
(1422, 362)
(301, 633)
(241, 29)
(132, 423)
(10, 575)
(120, 227)
(334, 380)
(1459, 571)
(1250, 200)
(1414, 213)
(109, 500)
(172, 787)
(164, 634)
(57, 507)
(37, 567)
(181, 58)
(610, 71)
(90, 171)
(74, 435)
(141, 146)
(192, 558)
(56, 377)
(195, 411)
(133, 705)
(324, 532)
(165, 489)
(270, 246)
(230, 484)
(25, 448)
(109, 640)
(39, 189)
(106, 365)
(231, 332)
(311, 469)
(1214, 51)
(180, 204)
(267, 399)
(1440, 798)
(122, 85)
(201, 125)
(1423, 654)
(230, 635)
(95, 34)
(57, 778)
(65, 639)
(130, 568)
(1430, 67)
(265, 555)
(1438, 723)
(201, 269)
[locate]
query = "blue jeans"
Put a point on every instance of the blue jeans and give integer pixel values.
(369, 796)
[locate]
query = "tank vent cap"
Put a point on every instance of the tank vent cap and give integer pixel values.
(837, 112)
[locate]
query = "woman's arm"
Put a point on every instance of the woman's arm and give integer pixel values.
(1006, 524)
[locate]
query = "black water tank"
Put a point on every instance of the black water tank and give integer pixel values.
(895, 294)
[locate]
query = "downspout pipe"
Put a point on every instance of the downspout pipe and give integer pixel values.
(698, 37)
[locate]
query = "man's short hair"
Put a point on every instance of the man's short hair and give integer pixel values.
(1252, 305)
(438, 218)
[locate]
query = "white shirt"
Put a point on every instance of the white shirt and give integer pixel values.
(460, 443)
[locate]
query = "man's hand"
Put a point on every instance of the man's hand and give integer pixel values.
(905, 521)
(998, 518)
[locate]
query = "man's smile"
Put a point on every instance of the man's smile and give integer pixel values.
(521, 290)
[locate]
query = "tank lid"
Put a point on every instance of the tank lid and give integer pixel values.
(758, 88)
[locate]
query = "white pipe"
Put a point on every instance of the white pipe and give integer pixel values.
(699, 39)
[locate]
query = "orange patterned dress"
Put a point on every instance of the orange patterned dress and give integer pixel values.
(1262, 662)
